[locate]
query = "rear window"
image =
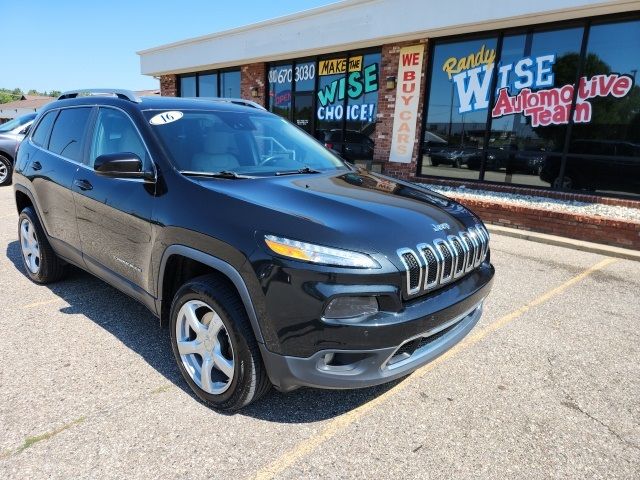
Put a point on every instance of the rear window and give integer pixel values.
(41, 135)
(68, 132)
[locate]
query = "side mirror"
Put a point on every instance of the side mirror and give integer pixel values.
(120, 165)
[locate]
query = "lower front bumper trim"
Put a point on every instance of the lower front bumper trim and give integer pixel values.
(347, 369)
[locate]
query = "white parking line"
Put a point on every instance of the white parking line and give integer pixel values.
(338, 424)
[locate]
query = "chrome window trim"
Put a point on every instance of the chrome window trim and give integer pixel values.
(400, 252)
(421, 247)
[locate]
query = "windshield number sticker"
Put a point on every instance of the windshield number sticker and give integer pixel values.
(166, 117)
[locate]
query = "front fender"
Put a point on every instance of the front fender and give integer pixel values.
(219, 265)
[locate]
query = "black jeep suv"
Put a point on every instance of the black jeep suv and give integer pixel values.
(272, 261)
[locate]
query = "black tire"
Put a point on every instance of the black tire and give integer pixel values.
(5, 166)
(250, 381)
(50, 267)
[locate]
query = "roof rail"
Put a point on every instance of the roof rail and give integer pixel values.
(236, 101)
(123, 94)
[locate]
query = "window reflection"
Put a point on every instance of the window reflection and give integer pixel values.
(188, 86)
(280, 80)
(208, 85)
(230, 84)
(613, 134)
(361, 110)
(531, 113)
(454, 136)
(517, 149)
(214, 84)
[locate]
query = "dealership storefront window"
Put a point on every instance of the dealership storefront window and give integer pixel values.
(501, 108)
(220, 83)
(334, 98)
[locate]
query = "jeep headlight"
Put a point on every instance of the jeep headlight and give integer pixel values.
(308, 252)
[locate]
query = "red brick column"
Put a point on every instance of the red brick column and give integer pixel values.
(169, 85)
(253, 75)
(386, 110)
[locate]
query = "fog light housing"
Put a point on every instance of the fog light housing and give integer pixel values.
(344, 308)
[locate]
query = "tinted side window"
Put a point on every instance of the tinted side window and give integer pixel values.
(41, 135)
(68, 132)
(114, 133)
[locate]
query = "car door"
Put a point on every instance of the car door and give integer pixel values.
(51, 167)
(114, 214)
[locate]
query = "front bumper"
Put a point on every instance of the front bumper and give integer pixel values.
(384, 351)
(365, 368)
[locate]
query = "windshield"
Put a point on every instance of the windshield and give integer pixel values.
(17, 122)
(248, 144)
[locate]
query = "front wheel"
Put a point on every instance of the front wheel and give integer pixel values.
(6, 168)
(214, 345)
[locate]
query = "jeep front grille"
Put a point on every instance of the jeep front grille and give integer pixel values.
(446, 259)
(414, 270)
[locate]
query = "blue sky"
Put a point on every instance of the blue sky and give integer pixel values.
(66, 44)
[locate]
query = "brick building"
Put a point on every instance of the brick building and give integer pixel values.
(520, 96)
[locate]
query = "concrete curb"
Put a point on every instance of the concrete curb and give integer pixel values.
(581, 245)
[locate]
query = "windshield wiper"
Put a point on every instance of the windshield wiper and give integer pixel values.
(296, 172)
(221, 174)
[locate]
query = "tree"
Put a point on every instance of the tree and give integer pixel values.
(7, 95)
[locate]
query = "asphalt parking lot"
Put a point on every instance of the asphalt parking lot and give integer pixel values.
(547, 385)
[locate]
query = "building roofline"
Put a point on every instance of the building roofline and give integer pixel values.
(255, 42)
(338, 5)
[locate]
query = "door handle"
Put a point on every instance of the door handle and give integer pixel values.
(83, 184)
(36, 166)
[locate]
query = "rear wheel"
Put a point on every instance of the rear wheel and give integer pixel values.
(40, 261)
(6, 168)
(214, 345)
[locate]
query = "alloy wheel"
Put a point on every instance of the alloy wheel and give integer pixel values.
(205, 347)
(4, 171)
(30, 246)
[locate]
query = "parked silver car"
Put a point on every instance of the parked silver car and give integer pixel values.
(11, 134)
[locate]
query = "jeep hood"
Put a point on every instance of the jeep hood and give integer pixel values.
(360, 210)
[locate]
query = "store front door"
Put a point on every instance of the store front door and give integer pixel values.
(303, 111)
